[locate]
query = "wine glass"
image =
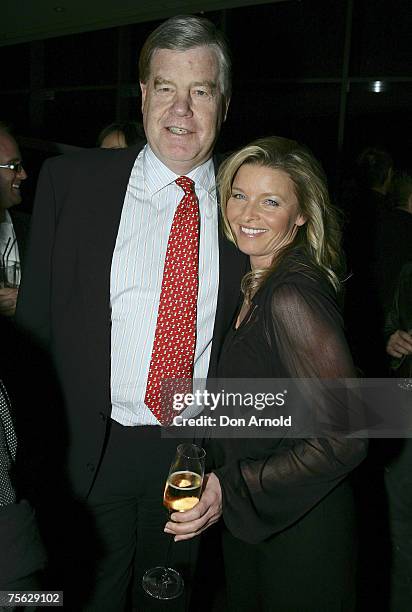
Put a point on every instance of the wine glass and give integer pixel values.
(182, 492)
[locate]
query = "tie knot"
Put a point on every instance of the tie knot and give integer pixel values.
(186, 184)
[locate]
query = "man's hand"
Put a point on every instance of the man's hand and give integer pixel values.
(8, 299)
(399, 344)
(186, 525)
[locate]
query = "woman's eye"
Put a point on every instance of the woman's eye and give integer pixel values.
(238, 196)
(201, 93)
(272, 203)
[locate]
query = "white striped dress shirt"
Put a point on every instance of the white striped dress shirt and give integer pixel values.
(8, 243)
(150, 203)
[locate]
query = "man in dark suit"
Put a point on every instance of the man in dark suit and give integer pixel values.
(13, 226)
(94, 291)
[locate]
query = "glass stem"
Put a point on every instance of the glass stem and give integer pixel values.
(165, 576)
(169, 550)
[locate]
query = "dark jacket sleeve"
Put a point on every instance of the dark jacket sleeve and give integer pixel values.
(399, 315)
(269, 494)
(33, 312)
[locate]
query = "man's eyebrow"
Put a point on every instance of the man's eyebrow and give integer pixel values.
(211, 84)
(161, 81)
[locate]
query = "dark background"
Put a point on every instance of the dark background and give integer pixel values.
(291, 78)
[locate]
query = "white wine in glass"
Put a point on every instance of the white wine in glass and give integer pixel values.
(182, 492)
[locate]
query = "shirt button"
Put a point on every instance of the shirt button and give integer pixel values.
(102, 416)
(90, 467)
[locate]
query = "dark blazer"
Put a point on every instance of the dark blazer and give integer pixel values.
(64, 299)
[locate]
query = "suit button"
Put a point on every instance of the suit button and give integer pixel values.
(102, 416)
(90, 467)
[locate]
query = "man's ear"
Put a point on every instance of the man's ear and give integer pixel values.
(143, 89)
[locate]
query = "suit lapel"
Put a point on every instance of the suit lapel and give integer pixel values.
(100, 223)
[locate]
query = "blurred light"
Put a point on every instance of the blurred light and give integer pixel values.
(377, 86)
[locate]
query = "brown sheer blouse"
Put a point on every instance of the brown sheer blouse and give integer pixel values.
(294, 330)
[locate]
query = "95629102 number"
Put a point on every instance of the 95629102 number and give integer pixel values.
(40, 598)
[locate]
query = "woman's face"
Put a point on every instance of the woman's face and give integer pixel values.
(263, 212)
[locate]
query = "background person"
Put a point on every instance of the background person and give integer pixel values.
(22, 557)
(394, 239)
(398, 472)
(121, 135)
(383, 478)
(367, 210)
(13, 226)
(287, 505)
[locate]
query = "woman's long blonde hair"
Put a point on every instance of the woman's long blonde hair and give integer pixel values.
(320, 235)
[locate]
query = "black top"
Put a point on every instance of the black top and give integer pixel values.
(294, 330)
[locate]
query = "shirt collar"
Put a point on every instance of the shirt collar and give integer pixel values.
(157, 175)
(7, 217)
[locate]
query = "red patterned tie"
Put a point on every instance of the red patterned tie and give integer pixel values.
(175, 337)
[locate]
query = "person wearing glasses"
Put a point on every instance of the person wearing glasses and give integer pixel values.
(13, 227)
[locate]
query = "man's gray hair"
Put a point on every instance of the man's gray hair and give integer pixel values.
(185, 32)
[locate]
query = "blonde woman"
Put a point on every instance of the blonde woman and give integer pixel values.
(288, 535)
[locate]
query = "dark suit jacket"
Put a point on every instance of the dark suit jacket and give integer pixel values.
(64, 299)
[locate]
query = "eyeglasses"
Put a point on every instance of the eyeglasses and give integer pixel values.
(14, 166)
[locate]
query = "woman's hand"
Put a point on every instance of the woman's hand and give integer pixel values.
(399, 344)
(186, 525)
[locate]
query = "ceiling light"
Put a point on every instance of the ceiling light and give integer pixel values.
(377, 86)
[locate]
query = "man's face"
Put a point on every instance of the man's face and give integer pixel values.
(10, 180)
(183, 107)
